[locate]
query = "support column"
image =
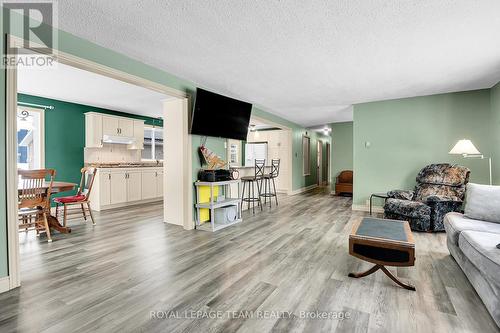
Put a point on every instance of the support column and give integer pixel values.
(177, 164)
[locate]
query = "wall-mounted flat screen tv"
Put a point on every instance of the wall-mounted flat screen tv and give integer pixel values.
(220, 116)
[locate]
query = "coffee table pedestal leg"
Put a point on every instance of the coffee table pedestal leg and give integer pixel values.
(386, 271)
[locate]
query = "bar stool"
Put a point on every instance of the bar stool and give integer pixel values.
(267, 179)
(249, 181)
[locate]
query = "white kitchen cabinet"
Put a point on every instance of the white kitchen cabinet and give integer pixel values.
(138, 135)
(126, 127)
(104, 188)
(93, 130)
(118, 187)
(159, 184)
(110, 126)
(149, 184)
(117, 126)
(98, 125)
(134, 185)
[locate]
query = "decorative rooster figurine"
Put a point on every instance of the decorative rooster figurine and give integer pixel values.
(211, 159)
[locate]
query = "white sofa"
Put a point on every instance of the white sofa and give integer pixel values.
(473, 245)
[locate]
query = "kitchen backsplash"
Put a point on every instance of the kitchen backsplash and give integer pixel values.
(111, 153)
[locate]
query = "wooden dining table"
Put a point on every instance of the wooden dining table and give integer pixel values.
(57, 187)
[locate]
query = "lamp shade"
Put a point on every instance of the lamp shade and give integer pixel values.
(464, 147)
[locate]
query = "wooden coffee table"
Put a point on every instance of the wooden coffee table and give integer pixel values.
(384, 243)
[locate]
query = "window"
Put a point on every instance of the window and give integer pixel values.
(153, 143)
(255, 151)
(30, 138)
(306, 155)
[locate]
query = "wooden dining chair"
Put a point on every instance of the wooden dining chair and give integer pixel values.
(78, 204)
(34, 200)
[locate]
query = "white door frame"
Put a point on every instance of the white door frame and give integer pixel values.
(328, 164)
(15, 43)
(319, 162)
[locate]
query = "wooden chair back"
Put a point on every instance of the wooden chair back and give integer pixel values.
(275, 167)
(259, 168)
(86, 181)
(34, 192)
(345, 177)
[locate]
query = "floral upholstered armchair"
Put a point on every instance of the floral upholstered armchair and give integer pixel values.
(440, 189)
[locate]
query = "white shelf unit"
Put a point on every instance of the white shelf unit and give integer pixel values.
(212, 205)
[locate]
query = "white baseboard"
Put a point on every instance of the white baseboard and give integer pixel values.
(303, 189)
(365, 208)
(4, 284)
(125, 204)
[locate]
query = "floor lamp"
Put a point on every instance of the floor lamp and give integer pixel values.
(467, 149)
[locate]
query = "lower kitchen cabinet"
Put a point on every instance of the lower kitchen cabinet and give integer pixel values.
(149, 184)
(159, 184)
(118, 187)
(134, 185)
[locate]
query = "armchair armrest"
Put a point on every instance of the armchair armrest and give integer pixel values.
(401, 194)
(441, 198)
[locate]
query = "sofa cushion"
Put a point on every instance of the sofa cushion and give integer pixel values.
(443, 174)
(483, 202)
(70, 199)
(480, 248)
(455, 223)
(411, 209)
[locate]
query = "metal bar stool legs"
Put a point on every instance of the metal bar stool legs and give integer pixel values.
(269, 191)
(267, 179)
(251, 198)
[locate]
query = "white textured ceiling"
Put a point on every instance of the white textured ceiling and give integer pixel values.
(70, 84)
(304, 60)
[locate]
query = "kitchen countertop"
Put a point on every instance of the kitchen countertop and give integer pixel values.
(126, 165)
(246, 167)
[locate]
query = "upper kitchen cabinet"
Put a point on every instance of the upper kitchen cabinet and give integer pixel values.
(138, 135)
(93, 130)
(110, 126)
(113, 129)
(117, 126)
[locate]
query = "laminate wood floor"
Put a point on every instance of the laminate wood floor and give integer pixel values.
(275, 272)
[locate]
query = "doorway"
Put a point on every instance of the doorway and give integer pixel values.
(327, 163)
(319, 162)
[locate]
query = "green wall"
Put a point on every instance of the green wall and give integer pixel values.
(495, 132)
(341, 157)
(408, 134)
(65, 134)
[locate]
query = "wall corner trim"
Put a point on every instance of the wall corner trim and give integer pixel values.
(303, 189)
(4, 284)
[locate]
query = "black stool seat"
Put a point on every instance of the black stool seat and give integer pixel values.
(250, 178)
